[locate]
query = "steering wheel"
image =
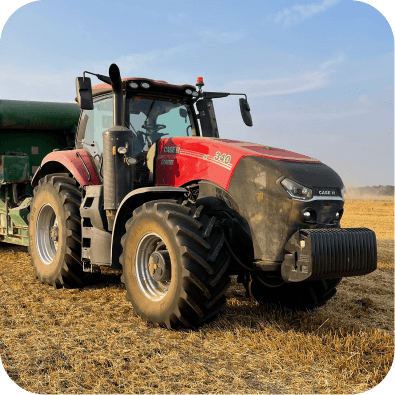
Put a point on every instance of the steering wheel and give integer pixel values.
(154, 128)
(150, 136)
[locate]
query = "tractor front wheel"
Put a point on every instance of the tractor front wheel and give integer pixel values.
(175, 267)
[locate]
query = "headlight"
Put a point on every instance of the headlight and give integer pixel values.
(188, 91)
(296, 190)
(145, 85)
(343, 191)
(134, 85)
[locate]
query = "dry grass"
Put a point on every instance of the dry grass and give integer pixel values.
(88, 341)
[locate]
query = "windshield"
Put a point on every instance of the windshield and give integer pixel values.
(151, 119)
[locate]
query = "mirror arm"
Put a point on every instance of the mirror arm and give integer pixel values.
(239, 94)
(217, 95)
(103, 78)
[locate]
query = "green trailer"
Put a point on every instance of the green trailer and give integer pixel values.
(28, 132)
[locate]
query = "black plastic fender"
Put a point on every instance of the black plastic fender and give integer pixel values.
(129, 203)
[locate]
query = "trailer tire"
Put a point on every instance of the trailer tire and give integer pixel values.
(300, 296)
(55, 232)
(189, 290)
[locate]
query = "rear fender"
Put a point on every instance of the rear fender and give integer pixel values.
(77, 162)
(130, 202)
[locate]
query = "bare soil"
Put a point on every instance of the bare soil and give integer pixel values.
(88, 341)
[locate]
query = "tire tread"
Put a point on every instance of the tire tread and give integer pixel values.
(205, 262)
(71, 274)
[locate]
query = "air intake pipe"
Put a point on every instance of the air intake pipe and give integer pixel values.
(117, 173)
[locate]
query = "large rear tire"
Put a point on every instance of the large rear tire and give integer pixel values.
(175, 267)
(55, 232)
(303, 296)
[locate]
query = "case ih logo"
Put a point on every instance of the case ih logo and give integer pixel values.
(171, 149)
(329, 193)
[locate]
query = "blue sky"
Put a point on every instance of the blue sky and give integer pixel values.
(319, 74)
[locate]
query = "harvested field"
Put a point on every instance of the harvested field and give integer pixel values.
(374, 214)
(88, 341)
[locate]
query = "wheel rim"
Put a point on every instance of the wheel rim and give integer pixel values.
(47, 234)
(148, 248)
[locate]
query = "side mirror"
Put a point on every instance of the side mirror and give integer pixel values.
(84, 93)
(245, 111)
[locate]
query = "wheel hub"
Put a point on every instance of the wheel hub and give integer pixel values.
(153, 266)
(54, 233)
(159, 266)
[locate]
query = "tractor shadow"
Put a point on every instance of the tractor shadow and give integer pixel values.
(246, 314)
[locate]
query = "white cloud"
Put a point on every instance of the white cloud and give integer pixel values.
(50, 85)
(364, 100)
(318, 114)
(221, 37)
(329, 64)
(299, 12)
(37, 84)
(281, 86)
(177, 18)
(151, 64)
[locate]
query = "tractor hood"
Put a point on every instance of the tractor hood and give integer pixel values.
(252, 149)
(183, 159)
(249, 176)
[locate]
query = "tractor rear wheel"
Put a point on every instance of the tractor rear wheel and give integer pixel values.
(175, 267)
(301, 296)
(55, 232)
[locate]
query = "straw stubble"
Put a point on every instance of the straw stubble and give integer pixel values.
(88, 340)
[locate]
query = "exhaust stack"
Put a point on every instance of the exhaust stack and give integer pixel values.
(117, 173)
(116, 84)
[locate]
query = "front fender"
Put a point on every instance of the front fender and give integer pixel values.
(78, 162)
(129, 203)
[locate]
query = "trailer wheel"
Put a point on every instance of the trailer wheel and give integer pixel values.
(55, 232)
(303, 296)
(175, 266)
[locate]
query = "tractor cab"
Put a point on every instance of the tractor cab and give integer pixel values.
(143, 111)
(151, 110)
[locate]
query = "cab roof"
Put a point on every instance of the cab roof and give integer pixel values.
(156, 86)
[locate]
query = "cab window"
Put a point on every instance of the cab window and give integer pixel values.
(96, 121)
(151, 119)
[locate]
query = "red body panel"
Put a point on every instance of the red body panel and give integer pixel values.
(74, 164)
(184, 159)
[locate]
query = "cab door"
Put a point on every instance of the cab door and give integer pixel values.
(92, 125)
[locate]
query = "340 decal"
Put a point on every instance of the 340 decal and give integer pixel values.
(222, 157)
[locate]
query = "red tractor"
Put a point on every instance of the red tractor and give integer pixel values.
(151, 189)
